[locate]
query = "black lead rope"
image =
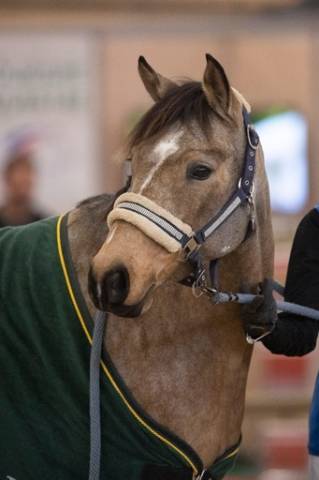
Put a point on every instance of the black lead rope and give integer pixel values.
(95, 404)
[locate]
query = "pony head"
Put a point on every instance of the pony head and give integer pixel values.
(187, 155)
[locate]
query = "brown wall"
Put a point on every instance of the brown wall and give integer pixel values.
(272, 59)
(270, 63)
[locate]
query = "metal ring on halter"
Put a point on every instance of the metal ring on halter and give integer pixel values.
(199, 285)
(197, 291)
(249, 129)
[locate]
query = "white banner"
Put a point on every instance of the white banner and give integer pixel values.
(48, 95)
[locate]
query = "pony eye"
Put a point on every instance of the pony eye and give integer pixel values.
(199, 172)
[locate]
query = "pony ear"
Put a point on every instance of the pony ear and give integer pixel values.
(215, 85)
(155, 84)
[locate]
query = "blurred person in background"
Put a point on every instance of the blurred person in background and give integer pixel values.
(290, 334)
(19, 177)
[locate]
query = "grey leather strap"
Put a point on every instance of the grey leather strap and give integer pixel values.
(95, 403)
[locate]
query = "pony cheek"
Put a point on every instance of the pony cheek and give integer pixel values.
(229, 236)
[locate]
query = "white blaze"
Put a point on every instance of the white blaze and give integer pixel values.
(166, 147)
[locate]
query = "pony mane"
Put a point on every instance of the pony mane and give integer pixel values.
(182, 103)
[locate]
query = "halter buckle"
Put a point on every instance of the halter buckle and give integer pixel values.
(191, 247)
(251, 205)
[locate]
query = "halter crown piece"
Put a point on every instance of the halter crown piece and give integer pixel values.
(169, 231)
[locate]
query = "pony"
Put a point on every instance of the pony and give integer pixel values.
(175, 364)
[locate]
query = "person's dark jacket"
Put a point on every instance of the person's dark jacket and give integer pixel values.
(294, 335)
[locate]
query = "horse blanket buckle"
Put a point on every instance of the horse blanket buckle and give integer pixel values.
(204, 475)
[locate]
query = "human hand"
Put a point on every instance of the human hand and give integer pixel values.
(260, 316)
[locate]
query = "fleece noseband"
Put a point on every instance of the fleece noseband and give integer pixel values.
(156, 222)
(169, 231)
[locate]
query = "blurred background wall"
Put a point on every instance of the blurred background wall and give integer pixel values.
(68, 81)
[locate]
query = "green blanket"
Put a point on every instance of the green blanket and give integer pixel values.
(45, 336)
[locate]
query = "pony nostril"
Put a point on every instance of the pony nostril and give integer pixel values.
(115, 285)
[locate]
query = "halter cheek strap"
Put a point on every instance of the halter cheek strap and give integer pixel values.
(243, 193)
